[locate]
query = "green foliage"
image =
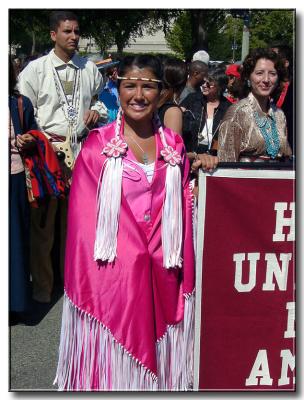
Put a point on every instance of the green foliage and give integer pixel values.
(119, 27)
(30, 29)
(266, 26)
(179, 38)
(222, 36)
(211, 29)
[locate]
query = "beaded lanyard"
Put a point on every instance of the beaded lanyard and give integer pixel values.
(268, 129)
(70, 108)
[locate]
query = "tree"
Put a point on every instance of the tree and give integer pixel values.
(193, 30)
(118, 26)
(30, 29)
(179, 38)
(271, 26)
(215, 31)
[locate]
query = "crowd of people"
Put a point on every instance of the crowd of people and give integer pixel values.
(117, 155)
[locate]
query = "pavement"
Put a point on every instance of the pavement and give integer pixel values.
(34, 347)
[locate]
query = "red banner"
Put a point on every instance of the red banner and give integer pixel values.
(245, 309)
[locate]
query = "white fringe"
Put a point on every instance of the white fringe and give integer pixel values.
(175, 352)
(172, 224)
(108, 209)
(88, 348)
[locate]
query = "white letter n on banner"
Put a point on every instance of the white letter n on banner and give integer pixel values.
(238, 259)
(279, 236)
(273, 269)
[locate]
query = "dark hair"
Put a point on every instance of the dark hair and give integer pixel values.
(285, 52)
(111, 70)
(12, 78)
(140, 61)
(221, 80)
(252, 59)
(217, 67)
(174, 79)
(197, 66)
(174, 73)
(58, 16)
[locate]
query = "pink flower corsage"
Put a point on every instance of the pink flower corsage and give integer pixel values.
(171, 156)
(115, 148)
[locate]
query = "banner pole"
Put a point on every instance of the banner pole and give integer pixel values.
(198, 275)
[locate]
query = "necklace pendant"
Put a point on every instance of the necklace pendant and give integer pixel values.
(72, 113)
(145, 158)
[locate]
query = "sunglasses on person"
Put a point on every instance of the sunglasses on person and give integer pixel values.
(208, 84)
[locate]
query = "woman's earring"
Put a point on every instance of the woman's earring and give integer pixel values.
(248, 83)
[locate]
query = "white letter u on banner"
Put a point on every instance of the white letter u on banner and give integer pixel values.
(238, 278)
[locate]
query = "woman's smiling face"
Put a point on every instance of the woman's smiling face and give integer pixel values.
(263, 78)
(139, 98)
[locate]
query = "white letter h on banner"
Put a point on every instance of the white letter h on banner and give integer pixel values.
(279, 236)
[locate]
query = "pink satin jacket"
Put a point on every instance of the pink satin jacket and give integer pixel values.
(135, 297)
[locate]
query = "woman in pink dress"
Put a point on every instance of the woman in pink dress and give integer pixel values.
(129, 275)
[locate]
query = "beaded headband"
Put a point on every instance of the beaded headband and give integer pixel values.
(133, 78)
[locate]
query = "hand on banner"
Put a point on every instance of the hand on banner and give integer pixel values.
(204, 161)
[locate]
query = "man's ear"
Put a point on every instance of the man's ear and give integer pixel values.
(53, 36)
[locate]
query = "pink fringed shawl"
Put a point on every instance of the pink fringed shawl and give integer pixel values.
(126, 325)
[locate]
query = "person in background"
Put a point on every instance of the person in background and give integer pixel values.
(285, 97)
(17, 66)
(203, 113)
(129, 273)
(174, 80)
(202, 56)
(19, 211)
(234, 85)
(63, 88)
(109, 95)
(198, 71)
(254, 129)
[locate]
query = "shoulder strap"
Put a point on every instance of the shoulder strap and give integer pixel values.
(20, 111)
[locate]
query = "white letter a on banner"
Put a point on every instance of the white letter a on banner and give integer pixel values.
(260, 369)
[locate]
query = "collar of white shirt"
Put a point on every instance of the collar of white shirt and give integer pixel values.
(75, 61)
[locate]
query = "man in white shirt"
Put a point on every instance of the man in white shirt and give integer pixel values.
(62, 88)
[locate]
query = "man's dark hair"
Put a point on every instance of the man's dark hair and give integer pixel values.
(197, 66)
(57, 16)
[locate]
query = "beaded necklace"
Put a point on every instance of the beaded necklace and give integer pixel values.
(70, 106)
(268, 129)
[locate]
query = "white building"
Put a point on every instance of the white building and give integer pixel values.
(148, 43)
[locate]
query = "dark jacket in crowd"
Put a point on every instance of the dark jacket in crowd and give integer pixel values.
(194, 119)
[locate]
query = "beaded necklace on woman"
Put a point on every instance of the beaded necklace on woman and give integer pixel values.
(268, 128)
